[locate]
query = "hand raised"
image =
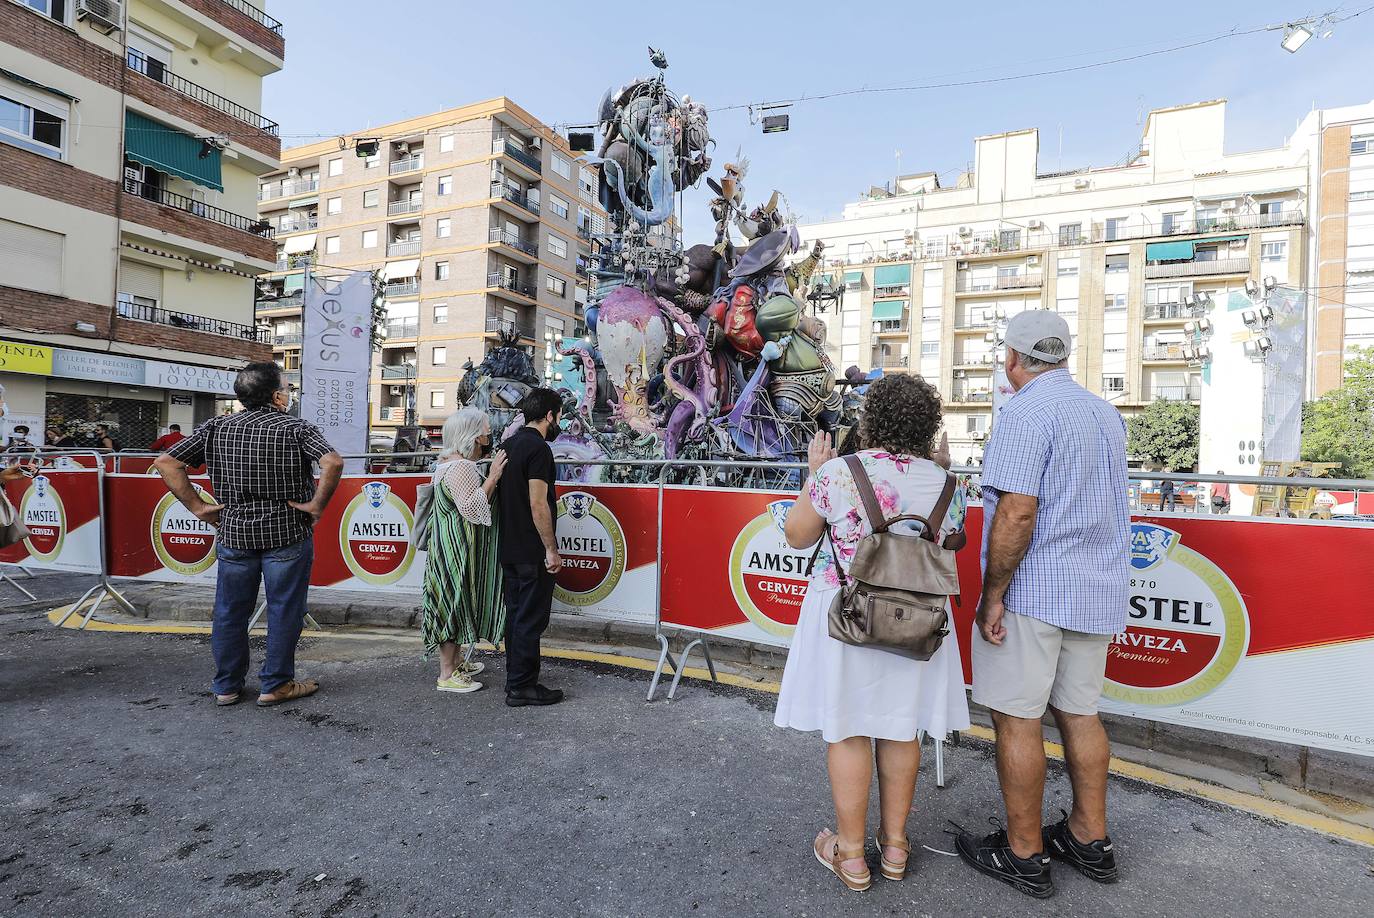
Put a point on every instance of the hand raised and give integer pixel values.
(941, 455)
(819, 451)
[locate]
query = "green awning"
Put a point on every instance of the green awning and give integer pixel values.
(293, 283)
(1168, 251)
(891, 275)
(885, 310)
(171, 151)
(1219, 239)
(853, 277)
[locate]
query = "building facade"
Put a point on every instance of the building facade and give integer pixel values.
(130, 150)
(479, 222)
(1134, 256)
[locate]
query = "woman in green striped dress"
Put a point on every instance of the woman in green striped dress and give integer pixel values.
(462, 595)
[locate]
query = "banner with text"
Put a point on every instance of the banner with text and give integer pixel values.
(365, 539)
(61, 509)
(607, 536)
(336, 358)
(151, 536)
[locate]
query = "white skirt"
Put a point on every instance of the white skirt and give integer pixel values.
(846, 691)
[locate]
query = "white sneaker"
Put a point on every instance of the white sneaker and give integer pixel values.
(472, 667)
(459, 683)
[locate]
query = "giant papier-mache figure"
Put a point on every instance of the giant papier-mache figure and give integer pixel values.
(697, 353)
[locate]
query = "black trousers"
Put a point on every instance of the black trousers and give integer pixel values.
(529, 597)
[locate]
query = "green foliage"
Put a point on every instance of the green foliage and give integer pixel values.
(1339, 426)
(1165, 434)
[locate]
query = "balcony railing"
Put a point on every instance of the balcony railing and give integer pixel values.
(396, 330)
(255, 14)
(401, 208)
(1199, 268)
(409, 164)
(501, 190)
(1165, 352)
(981, 325)
(891, 362)
(971, 395)
(505, 147)
(198, 208)
(296, 262)
(287, 189)
(299, 224)
(506, 237)
(289, 301)
(398, 371)
(1006, 282)
(292, 378)
(1176, 393)
(1167, 311)
(405, 247)
(890, 290)
(881, 327)
(584, 232)
(408, 287)
(496, 325)
(291, 340)
(154, 70)
(503, 282)
(973, 360)
(141, 313)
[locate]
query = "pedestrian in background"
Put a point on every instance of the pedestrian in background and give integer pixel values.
(1221, 495)
(266, 506)
(105, 440)
(866, 702)
(171, 438)
(462, 601)
(1167, 497)
(1056, 565)
(529, 550)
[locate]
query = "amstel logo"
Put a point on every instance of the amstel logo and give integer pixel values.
(45, 518)
(592, 546)
(374, 536)
(768, 576)
(182, 541)
(1186, 627)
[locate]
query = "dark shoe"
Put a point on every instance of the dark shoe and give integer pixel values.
(223, 701)
(536, 695)
(1095, 860)
(992, 855)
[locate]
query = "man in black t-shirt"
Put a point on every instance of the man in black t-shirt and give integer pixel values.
(529, 551)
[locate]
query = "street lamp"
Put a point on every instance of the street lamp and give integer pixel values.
(1294, 37)
(410, 392)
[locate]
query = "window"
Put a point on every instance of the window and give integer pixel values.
(1362, 144)
(443, 227)
(441, 313)
(438, 356)
(445, 143)
(558, 246)
(436, 398)
(1172, 223)
(1114, 301)
(930, 349)
(441, 270)
(373, 161)
(1113, 384)
(336, 166)
(977, 423)
(333, 206)
(856, 252)
(1205, 254)
(53, 9)
(556, 285)
(1271, 207)
(331, 245)
(893, 247)
(1273, 251)
(1009, 240)
(369, 239)
(32, 122)
(1118, 264)
(1114, 228)
(1070, 233)
(561, 165)
(1067, 306)
(445, 185)
(558, 206)
(1206, 218)
(1362, 195)
(1066, 267)
(39, 262)
(371, 198)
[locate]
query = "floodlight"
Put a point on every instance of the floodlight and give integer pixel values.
(775, 124)
(1294, 37)
(366, 147)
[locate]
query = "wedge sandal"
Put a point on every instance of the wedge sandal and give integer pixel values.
(837, 856)
(891, 869)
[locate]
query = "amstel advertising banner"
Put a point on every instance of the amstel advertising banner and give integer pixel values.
(61, 509)
(364, 540)
(151, 535)
(608, 539)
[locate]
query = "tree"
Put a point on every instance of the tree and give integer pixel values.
(1339, 426)
(1166, 434)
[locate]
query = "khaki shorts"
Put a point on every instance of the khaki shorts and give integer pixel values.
(1038, 664)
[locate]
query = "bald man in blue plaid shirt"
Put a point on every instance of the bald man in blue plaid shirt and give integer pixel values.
(1056, 570)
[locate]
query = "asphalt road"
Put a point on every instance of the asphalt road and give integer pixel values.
(124, 791)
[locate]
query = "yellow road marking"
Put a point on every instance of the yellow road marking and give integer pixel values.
(1260, 806)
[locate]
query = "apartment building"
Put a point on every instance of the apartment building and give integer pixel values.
(1133, 255)
(130, 150)
(479, 222)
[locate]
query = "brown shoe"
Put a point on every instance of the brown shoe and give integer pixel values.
(288, 691)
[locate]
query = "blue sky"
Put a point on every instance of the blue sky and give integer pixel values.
(351, 63)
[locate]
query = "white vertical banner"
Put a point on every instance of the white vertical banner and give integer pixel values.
(1285, 375)
(336, 358)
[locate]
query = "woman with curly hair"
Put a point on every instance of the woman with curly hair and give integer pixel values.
(868, 703)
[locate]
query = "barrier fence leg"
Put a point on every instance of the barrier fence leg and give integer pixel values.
(76, 606)
(664, 658)
(686, 651)
(6, 578)
(262, 607)
(120, 599)
(939, 754)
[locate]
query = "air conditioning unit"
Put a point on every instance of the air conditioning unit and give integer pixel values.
(1032, 260)
(960, 374)
(965, 231)
(1228, 205)
(104, 15)
(293, 172)
(1035, 224)
(398, 390)
(978, 435)
(537, 143)
(1081, 183)
(133, 177)
(961, 266)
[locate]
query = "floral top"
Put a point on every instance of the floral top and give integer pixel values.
(902, 484)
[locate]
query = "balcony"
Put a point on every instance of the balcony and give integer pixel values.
(502, 282)
(1164, 353)
(297, 262)
(288, 189)
(290, 301)
(518, 198)
(1006, 282)
(138, 312)
(255, 14)
(1198, 268)
(891, 362)
(401, 208)
(398, 371)
(1167, 312)
(292, 378)
(289, 340)
(971, 396)
(890, 291)
(404, 247)
(198, 208)
(406, 329)
(1176, 393)
(299, 224)
(154, 70)
(505, 237)
(409, 164)
(504, 147)
(584, 232)
(407, 287)
(972, 326)
(974, 360)
(898, 328)
(497, 325)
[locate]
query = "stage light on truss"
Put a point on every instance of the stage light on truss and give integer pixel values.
(776, 124)
(1294, 37)
(366, 147)
(582, 138)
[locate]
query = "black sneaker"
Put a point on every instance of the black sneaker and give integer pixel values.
(992, 855)
(534, 695)
(1095, 860)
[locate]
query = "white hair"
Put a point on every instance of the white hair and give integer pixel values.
(461, 431)
(1033, 365)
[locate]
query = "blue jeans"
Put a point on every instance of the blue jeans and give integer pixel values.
(285, 574)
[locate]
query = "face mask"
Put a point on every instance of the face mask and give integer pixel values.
(484, 449)
(554, 431)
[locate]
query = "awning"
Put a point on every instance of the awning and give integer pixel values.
(891, 275)
(885, 310)
(33, 84)
(1168, 251)
(1219, 239)
(853, 277)
(295, 245)
(397, 269)
(303, 202)
(292, 283)
(821, 280)
(1241, 194)
(171, 151)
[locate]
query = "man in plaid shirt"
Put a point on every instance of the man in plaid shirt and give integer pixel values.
(267, 504)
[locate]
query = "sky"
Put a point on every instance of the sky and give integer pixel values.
(355, 63)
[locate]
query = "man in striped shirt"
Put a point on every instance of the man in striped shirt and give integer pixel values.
(1056, 568)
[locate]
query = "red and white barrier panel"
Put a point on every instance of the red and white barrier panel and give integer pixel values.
(61, 508)
(608, 538)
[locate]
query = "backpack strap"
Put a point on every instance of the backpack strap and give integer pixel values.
(872, 509)
(937, 515)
